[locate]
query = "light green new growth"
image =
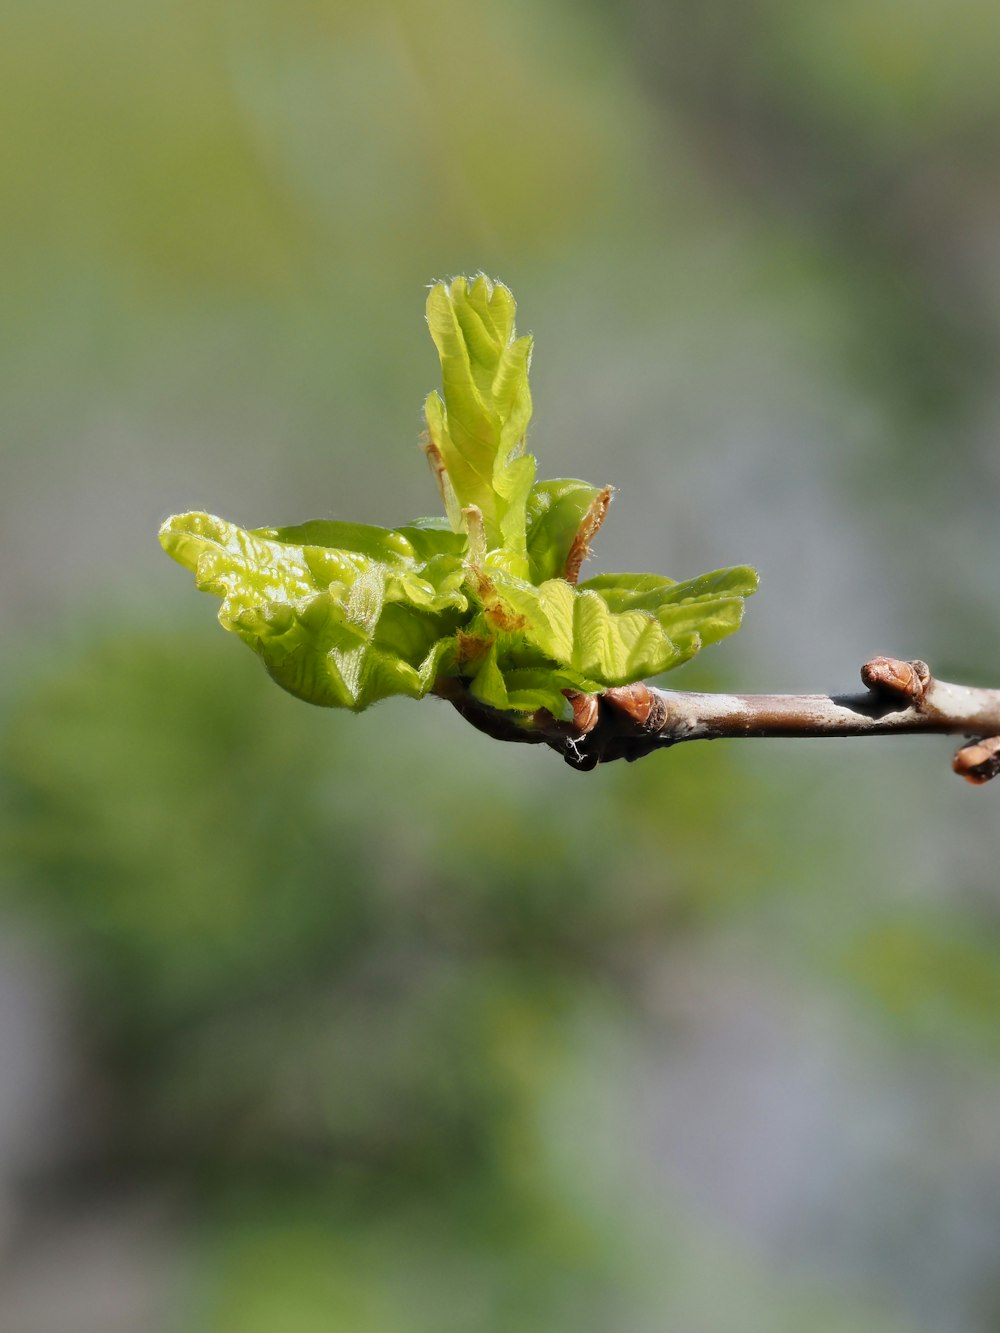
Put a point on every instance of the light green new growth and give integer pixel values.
(344, 614)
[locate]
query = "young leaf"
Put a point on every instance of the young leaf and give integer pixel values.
(602, 637)
(647, 592)
(555, 511)
(476, 433)
(343, 627)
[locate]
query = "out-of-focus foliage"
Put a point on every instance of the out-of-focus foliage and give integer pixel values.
(238, 902)
(344, 1042)
(706, 1042)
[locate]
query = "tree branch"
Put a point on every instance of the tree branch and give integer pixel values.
(627, 723)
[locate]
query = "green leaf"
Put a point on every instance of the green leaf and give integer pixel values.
(477, 431)
(607, 636)
(555, 511)
(337, 627)
(244, 569)
(629, 592)
(419, 540)
(522, 690)
(692, 614)
(647, 592)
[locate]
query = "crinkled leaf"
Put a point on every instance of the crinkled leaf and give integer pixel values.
(244, 569)
(478, 429)
(523, 690)
(647, 592)
(629, 592)
(435, 586)
(419, 540)
(577, 628)
(692, 614)
(338, 627)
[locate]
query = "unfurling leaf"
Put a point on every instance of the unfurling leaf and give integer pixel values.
(477, 432)
(555, 512)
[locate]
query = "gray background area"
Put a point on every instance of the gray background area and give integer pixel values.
(314, 1022)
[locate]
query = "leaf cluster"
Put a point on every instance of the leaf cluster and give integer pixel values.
(486, 599)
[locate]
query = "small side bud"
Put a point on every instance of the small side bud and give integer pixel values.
(978, 762)
(905, 680)
(635, 701)
(585, 710)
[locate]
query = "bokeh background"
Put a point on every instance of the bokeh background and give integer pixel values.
(313, 1023)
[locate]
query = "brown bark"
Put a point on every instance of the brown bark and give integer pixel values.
(627, 723)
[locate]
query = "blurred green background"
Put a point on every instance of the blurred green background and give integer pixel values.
(293, 1042)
